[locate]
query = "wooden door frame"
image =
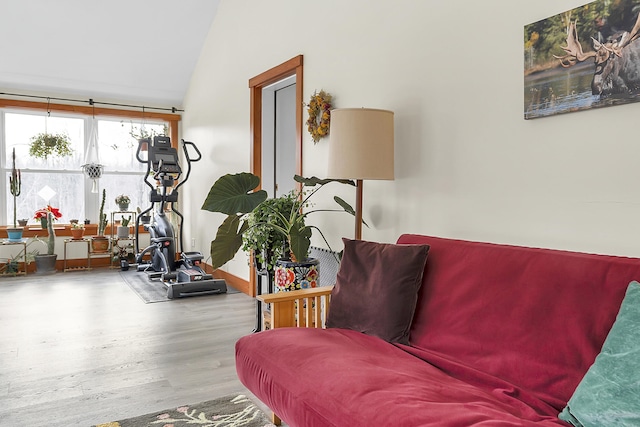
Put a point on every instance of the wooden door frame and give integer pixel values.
(292, 67)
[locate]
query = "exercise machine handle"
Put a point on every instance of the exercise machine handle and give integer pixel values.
(186, 152)
(146, 142)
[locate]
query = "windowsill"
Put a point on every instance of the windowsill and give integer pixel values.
(61, 230)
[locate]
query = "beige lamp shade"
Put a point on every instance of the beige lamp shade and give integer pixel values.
(361, 144)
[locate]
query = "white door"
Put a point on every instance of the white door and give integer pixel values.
(279, 137)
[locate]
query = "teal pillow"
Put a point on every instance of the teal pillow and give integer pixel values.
(609, 393)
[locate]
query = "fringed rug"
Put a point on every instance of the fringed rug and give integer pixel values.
(235, 410)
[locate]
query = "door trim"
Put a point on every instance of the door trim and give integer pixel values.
(292, 67)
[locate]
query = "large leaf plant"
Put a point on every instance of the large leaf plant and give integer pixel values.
(250, 214)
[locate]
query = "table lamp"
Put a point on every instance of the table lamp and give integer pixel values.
(361, 147)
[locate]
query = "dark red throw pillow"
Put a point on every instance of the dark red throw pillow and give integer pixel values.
(377, 289)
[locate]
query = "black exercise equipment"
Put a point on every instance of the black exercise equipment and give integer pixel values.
(183, 277)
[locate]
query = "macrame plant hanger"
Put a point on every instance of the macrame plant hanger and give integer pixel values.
(92, 167)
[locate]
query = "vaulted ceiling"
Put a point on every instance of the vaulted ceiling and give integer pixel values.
(141, 51)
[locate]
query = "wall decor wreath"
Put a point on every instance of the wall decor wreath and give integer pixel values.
(319, 109)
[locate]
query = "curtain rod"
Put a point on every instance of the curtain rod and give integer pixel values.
(92, 102)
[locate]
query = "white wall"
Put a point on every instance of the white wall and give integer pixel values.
(467, 164)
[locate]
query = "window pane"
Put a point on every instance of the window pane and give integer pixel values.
(118, 144)
(21, 128)
(129, 185)
(67, 190)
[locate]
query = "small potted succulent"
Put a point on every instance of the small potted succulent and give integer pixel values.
(123, 202)
(123, 229)
(77, 231)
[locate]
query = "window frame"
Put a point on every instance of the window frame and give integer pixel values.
(8, 105)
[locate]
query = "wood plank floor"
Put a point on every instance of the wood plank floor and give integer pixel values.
(81, 348)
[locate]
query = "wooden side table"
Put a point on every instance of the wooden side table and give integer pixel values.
(81, 268)
(22, 242)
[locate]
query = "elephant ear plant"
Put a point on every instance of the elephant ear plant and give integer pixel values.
(250, 214)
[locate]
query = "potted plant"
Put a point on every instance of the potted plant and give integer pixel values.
(47, 263)
(13, 264)
(123, 230)
(77, 231)
(46, 144)
(100, 243)
(15, 185)
(234, 196)
(42, 215)
(123, 202)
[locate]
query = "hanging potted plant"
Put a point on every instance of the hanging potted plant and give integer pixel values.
(100, 243)
(15, 186)
(46, 144)
(46, 263)
(234, 196)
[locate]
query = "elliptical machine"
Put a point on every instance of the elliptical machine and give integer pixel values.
(182, 277)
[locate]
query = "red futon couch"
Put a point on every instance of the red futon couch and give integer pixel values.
(499, 336)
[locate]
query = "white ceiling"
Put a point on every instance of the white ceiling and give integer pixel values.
(140, 51)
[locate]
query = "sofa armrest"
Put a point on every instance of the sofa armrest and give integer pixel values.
(304, 308)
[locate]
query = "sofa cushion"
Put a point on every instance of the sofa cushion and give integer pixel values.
(377, 288)
(338, 377)
(609, 394)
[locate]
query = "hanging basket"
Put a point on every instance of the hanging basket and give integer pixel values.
(93, 170)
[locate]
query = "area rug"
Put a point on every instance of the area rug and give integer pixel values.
(151, 291)
(235, 410)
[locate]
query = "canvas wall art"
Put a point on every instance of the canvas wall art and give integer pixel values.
(587, 57)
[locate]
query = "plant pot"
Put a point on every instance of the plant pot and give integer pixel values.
(123, 207)
(145, 219)
(46, 264)
(291, 276)
(123, 231)
(14, 234)
(77, 233)
(99, 244)
(22, 222)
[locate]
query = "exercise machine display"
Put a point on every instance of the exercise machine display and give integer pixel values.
(183, 276)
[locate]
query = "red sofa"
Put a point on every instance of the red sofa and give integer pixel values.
(501, 336)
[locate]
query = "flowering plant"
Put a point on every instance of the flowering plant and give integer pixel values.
(123, 199)
(44, 212)
(77, 226)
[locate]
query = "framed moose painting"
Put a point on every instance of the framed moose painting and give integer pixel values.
(584, 58)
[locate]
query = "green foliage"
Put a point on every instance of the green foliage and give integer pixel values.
(44, 145)
(51, 241)
(261, 235)
(15, 186)
(264, 222)
(125, 221)
(102, 217)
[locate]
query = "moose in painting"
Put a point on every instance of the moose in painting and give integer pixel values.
(617, 61)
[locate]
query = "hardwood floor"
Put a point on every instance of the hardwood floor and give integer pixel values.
(81, 348)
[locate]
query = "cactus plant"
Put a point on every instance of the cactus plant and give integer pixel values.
(102, 220)
(15, 186)
(51, 242)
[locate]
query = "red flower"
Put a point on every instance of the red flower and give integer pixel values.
(44, 213)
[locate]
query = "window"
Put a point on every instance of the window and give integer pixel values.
(59, 181)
